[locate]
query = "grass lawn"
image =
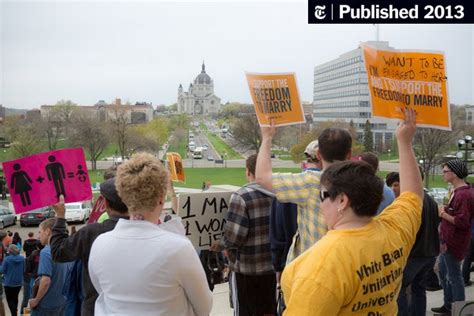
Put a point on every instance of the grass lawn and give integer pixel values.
(220, 146)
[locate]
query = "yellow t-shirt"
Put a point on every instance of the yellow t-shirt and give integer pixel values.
(355, 271)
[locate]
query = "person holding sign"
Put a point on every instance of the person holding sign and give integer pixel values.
(140, 268)
(303, 188)
(247, 241)
(65, 248)
(357, 267)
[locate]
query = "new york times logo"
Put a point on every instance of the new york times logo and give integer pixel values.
(362, 11)
(319, 12)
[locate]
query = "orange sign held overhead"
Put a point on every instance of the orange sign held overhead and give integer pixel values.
(414, 79)
(175, 166)
(276, 97)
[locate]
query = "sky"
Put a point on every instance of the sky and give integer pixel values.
(87, 51)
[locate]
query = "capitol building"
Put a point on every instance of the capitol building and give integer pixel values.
(200, 98)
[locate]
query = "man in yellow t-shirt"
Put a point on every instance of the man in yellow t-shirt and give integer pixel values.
(358, 270)
(357, 267)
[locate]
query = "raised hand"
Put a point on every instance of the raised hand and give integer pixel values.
(407, 127)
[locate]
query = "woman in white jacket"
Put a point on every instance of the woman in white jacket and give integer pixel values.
(140, 268)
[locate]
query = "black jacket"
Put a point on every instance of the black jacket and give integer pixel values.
(65, 248)
(427, 238)
(29, 245)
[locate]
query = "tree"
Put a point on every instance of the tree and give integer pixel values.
(149, 137)
(63, 111)
(246, 131)
(368, 137)
(432, 144)
(89, 133)
(119, 126)
(52, 126)
(25, 138)
(298, 149)
(26, 141)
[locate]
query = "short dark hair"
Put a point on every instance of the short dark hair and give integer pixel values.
(391, 178)
(31, 234)
(334, 144)
(251, 163)
(110, 172)
(357, 180)
(371, 159)
(118, 206)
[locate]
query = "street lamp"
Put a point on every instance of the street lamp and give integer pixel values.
(463, 145)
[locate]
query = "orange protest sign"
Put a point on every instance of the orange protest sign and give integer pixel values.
(276, 96)
(175, 166)
(414, 79)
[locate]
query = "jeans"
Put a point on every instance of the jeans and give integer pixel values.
(415, 275)
(11, 292)
(466, 266)
(26, 292)
(59, 311)
(451, 279)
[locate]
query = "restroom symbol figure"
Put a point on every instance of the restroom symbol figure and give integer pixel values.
(55, 172)
(81, 174)
(21, 182)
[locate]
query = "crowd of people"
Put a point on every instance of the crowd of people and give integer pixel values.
(332, 239)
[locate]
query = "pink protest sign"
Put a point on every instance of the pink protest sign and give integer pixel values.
(37, 181)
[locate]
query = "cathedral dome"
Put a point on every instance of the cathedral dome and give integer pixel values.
(203, 77)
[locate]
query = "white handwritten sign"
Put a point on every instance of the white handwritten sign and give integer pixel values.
(203, 216)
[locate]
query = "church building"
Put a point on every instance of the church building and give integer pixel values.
(200, 98)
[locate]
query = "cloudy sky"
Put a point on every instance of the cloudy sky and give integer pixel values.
(87, 51)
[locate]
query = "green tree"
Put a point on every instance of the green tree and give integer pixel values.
(63, 112)
(246, 130)
(89, 133)
(150, 136)
(368, 137)
(119, 125)
(26, 142)
(308, 136)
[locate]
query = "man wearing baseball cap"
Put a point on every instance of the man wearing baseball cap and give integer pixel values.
(456, 220)
(66, 248)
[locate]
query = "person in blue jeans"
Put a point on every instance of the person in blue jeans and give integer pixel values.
(420, 261)
(49, 299)
(12, 268)
(466, 265)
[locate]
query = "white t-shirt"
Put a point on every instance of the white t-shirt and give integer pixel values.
(141, 269)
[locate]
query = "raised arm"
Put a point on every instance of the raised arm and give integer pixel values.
(263, 170)
(410, 178)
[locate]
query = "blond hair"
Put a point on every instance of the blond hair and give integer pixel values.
(48, 223)
(141, 182)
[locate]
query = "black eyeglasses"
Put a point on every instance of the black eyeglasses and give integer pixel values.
(323, 195)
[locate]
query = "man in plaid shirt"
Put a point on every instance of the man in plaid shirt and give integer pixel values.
(247, 242)
(303, 188)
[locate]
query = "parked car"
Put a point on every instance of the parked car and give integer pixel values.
(438, 194)
(35, 217)
(78, 212)
(7, 217)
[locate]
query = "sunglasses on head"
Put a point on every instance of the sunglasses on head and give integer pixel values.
(323, 194)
